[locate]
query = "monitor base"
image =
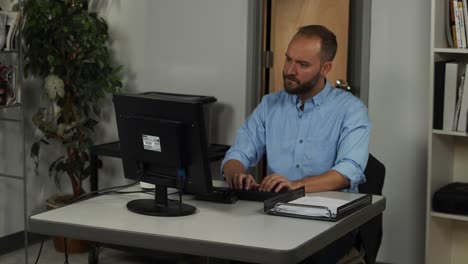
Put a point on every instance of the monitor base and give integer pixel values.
(151, 207)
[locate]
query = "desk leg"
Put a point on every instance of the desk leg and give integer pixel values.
(93, 254)
(93, 179)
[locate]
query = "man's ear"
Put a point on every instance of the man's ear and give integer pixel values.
(326, 68)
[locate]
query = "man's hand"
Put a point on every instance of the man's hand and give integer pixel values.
(240, 181)
(237, 177)
(276, 182)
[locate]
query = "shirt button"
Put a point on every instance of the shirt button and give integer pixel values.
(297, 165)
(300, 116)
(300, 141)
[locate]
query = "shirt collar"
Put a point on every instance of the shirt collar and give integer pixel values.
(318, 99)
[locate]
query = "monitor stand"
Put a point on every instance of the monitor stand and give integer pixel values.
(160, 205)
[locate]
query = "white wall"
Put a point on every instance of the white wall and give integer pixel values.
(398, 106)
(183, 46)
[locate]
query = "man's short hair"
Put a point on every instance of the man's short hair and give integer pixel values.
(329, 44)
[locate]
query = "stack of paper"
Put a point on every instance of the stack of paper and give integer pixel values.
(312, 206)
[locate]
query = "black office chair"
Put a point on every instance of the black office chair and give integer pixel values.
(370, 234)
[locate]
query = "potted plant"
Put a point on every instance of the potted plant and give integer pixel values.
(66, 46)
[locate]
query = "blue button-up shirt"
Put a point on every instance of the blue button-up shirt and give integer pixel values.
(330, 133)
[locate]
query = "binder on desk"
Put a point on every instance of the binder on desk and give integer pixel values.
(295, 204)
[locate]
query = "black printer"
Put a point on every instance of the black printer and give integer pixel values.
(451, 199)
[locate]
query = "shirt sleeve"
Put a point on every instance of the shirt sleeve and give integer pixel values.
(249, 145)
(353, 145)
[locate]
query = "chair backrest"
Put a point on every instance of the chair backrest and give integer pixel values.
(370, 233)
(375, 177)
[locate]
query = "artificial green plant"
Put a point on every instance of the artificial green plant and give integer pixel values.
(67, 47)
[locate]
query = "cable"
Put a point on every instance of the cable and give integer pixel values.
(149, 191)
(66, 251)
(116, 189)
(180, 182)
(106, 190)
(39, 253)
(175, 201)
(152, 192)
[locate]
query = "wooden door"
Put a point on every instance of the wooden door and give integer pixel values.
(286, 16)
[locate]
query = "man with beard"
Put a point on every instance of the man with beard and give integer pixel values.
(314, 135)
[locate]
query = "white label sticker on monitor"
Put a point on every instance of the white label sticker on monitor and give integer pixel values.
(151, 143)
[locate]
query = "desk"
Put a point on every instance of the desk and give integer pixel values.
(239, 231)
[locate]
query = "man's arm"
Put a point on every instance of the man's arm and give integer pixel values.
(236, 175)
(247, 150)
(329, 181)
(353, 145)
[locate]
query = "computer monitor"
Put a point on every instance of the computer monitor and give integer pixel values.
(163, 141)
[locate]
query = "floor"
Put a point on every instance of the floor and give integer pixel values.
(106, 256)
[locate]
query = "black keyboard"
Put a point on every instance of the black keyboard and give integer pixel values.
(249, 195)
(256, 195)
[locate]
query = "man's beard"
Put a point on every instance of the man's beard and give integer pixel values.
(301, 88)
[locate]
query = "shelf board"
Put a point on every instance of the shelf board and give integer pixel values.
(8, 51)
(10, 106)
(10, 119)
(450, 216)
(12, 113)
(11, 176)
(449, 133)
(451, 50)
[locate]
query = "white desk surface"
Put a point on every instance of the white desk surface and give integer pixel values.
(239, 231)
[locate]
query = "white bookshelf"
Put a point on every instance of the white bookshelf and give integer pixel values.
(450, 216)
(451, 50)
(449, 133)
(446, 234)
